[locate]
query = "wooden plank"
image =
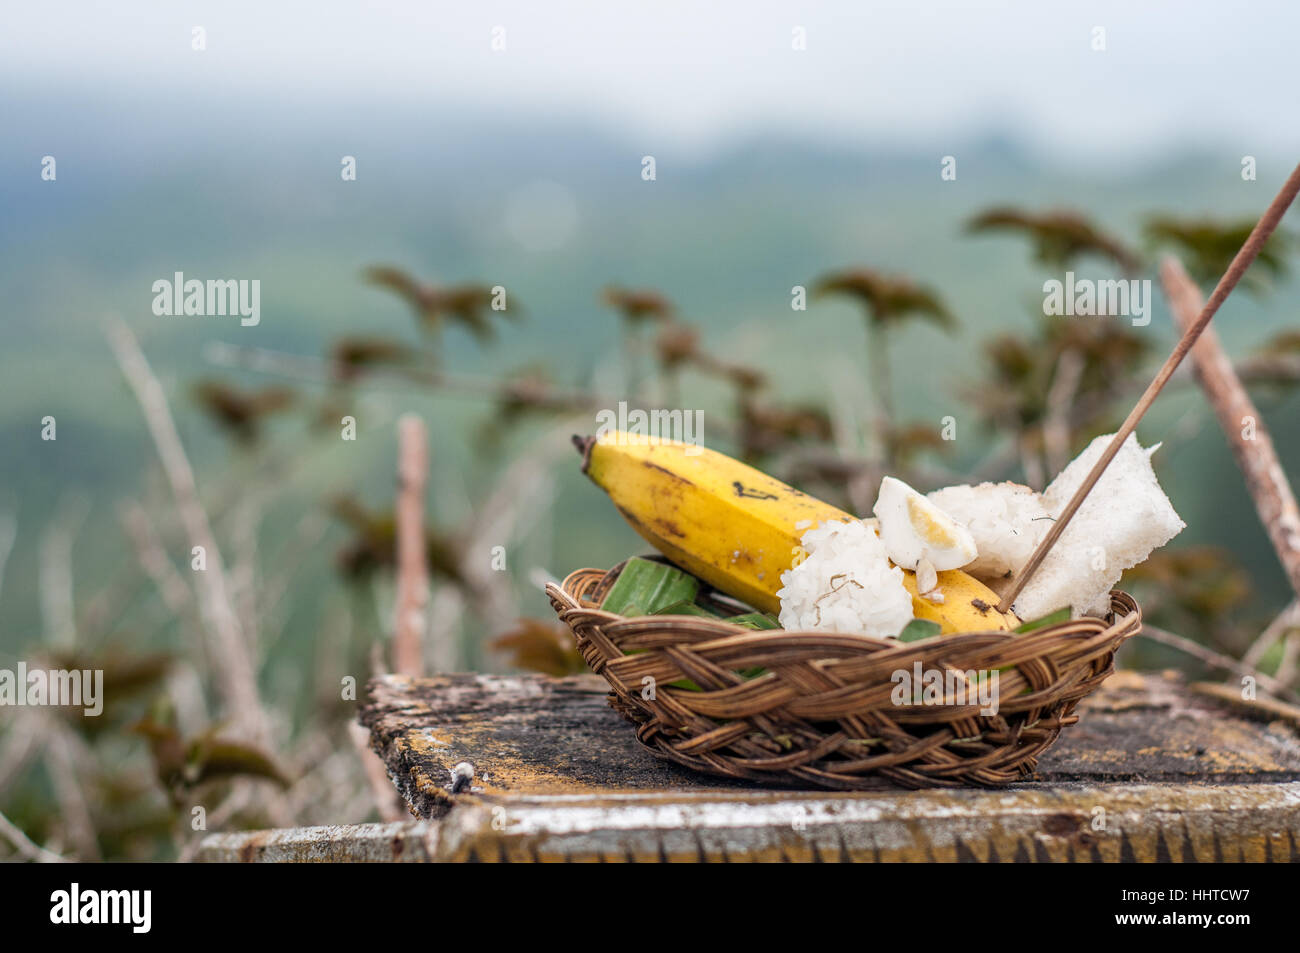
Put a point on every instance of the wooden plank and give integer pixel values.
(1083, 823)
(532, 735)
(1067, 823)
(401, 842)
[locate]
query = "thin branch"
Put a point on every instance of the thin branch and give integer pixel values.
(176, 595)
(387, 802)
(1287, 667)
(1242, 424)
(845, 400)
(289, 557)
(25, 845)
(184, 686)
(244, 569)
(57, 603)
(26, 733)
(74, 809)
(412, 569)
(236, 677)
(514, 501)
(1250, 249)
(8, 533)
(1212, 658)
(275, 467)
(1286, 620)
(1031, 462)
(882, 386)
(1060, 399)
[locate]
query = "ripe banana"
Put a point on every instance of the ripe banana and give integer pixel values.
(738, 529)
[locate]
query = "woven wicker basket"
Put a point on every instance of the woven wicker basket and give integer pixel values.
(823, 712)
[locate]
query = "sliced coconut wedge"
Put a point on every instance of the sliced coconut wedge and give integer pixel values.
(914, 529)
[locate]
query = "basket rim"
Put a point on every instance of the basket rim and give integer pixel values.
(563, 593)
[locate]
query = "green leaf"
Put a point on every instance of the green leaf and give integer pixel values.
(1060, 615)
(919, 629)
(755, 620)
(690, 686)
(685, 683)
(645, 587)
(686, 607)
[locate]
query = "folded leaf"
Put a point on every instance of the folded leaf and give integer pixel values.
(1060, 615)
(687, 608)
(645, 587)
(755, 620)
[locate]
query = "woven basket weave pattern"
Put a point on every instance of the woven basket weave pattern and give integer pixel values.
(823, 711)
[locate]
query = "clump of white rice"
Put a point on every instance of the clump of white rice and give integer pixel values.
(1006, 520)
(844, 584)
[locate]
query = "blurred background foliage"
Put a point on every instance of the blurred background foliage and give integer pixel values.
(924, 301)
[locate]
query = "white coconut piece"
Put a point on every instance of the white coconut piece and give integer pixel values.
(914, 529)
(844, 584)
(1124, 519)
(1006, 521)
(927, 583)
(927, 578)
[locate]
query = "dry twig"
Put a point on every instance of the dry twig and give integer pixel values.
(74, 809)
(412, 570)
(8, 533)
(176, 595)
(56, 589)
(25, 845)
(1060, 399)
(236, 677)
(1286, 620)
(1242, 424)
(1213, 659)
(387, 802)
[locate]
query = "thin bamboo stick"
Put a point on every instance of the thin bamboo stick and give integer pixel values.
(1244, 257)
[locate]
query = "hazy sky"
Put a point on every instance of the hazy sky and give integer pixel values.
(695, 75)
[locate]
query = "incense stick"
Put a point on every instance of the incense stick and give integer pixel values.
(1249, 250)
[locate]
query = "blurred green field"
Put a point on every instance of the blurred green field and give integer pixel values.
(725, 237)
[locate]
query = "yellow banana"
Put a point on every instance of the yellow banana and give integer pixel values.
(738, 529)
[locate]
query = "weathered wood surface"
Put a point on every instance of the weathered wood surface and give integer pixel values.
(401, 842)
(1154, 771)
(531, 735)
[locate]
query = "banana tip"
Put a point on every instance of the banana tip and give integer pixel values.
(584, 445)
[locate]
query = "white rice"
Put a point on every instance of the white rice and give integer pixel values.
(845, 584)
(1006, 521)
